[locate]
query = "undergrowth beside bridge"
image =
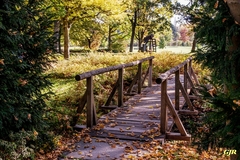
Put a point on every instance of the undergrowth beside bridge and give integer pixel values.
(67, 93)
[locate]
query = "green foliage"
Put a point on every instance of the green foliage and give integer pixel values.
(119, 46)
(215, 29)
(16, 147)
(163, 40)
(221, 122)
(25, 48)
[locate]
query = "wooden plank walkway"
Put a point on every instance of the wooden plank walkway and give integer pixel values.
(139, 120)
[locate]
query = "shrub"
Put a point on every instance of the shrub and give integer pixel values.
(25, 50)
(220, 53)
(16, 147)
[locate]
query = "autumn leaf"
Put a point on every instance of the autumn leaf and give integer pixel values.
(22, 82)
(121, 130)
(224, 19)
(111, 135)
(87, 139)
(99, 126)
(15, 118)
(29, 116)
(112, 124)
(132, 134)
(89, 155)
(128, 149)
(212, 92)
(35, 133)
(113, 146)
(237, 102)
(216, 5)
(106, 120)
(228, 122)
(2, 61)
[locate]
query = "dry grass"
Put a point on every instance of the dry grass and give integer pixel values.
(68, 91)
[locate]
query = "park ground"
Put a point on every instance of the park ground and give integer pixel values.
(170, 150)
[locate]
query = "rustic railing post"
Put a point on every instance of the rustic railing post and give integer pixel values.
(140, 78)
(120, 87)
(150, 73)
(190, 68)
(89, 97)
(163, 107)
(177, 102)
(90, 102)
(185, 76)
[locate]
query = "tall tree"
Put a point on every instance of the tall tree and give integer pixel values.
(118, 31)
(75, 10)
(148, 17)
(218, 30)
(108, 25)
(25, 47)
(184, 34)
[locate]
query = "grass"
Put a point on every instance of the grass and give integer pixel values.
(176, 49)
(68, 92)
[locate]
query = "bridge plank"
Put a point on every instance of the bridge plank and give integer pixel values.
(139, 119)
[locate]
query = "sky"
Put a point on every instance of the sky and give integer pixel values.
(183, 1)
(176, 17)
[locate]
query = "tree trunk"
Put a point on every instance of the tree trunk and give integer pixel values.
(109, 38)
(59, 40)
(134, 24)
(66, 27)
(57, 36)
(234, 6)
(140, 38)
(194, 44)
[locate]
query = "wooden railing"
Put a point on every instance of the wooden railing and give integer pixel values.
(189, 81)
(88, 97)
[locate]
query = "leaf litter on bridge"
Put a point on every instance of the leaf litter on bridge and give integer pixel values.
(82, 146)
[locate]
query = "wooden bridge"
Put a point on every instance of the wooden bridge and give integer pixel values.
(151, 111)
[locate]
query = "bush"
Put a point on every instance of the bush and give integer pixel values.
(220, 54)
(25, 50)
(16, 147)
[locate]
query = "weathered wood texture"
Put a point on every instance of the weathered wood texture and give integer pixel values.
(88, 97)
(184, 85)
(141, 119)
(109, 69)
(151, 113)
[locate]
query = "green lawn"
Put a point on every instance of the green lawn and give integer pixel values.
(174, 49)
(177, 49)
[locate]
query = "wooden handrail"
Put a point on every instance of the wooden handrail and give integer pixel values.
(167, 102)
(165, 75)
(111, 68)
(88, 97)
